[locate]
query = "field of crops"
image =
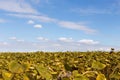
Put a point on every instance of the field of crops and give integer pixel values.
(60, 66)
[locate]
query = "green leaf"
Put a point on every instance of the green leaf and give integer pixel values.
(101, 77)
(7, 75)
(15, 67)
(90, 73)
(54, 74)
(67, 67)
(81, 78)
(75, 73)
(26, 66)
(98, 65)
(25, 77)
(115, 75)
(65, 79)
(43, 71)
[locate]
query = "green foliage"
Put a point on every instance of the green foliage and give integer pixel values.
(81, 77)
(115, 75)
(44, 72)
(101, 77)
(98, 65)
(67, 67)
(7, 75)
(60, 66)
(15, 67)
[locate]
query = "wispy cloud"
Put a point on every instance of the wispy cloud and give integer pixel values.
(36, 1)
(65, 24)
(22, 7)
(76, 26)
(40, 1)
(2, 20)
(19, 6)
(110, 8)
(41, 18)
(115, 7)
(91, 11)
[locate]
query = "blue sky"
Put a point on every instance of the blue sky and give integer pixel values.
(65, 25)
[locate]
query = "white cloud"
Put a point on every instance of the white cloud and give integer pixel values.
(76, 26)
(36, 1)
(111, 8)
(48, 46)
(91, 11)
(19, 6)
(13, 38)
(65, 24)
(103, 49)
(40, 2)
(2, 21)
(38, 26)
(3, 43)
(20, 40)
(56, 45)
(63, 39)
(42, 39)
(41, 18)
(88, 42)
(30, 22)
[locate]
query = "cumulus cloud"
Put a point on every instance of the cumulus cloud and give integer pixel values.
(37, 26)
(16, 39)
(19, 6)
(103, 49)
(88, 42)
(64, 39)
(52, 46)
(42, 39)
(30, 22)
(66, 44)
